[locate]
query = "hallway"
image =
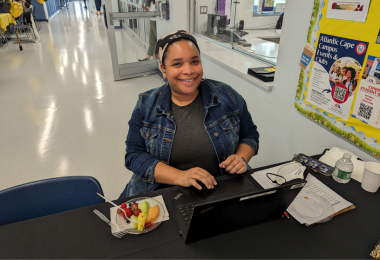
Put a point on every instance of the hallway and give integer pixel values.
(61, 112)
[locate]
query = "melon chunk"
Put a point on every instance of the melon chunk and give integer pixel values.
(134, 224)
(153, 214)
(144, 206)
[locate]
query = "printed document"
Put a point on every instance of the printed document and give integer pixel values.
(315, 186)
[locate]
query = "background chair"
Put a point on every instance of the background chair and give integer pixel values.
(45, 197)
(23, 29)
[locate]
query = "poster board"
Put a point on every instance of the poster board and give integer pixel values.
(339, 83)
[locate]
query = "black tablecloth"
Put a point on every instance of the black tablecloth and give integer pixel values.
(81, 234)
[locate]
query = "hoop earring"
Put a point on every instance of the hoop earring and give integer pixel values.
(204, 77)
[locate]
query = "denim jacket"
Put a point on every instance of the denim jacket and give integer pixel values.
(152, 129)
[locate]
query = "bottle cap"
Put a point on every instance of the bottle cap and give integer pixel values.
(347, 155)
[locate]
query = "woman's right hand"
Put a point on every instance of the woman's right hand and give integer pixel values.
(191, 176)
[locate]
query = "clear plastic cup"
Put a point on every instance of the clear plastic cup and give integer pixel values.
(371, 176)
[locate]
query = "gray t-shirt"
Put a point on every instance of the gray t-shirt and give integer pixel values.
(192, 145)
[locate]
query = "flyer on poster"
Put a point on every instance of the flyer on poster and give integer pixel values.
(351, 10)
(367, 104)
(335, 74)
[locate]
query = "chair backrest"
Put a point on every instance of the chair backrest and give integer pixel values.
(34, 10)
(49, 196)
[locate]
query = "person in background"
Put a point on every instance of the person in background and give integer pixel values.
(98, 4)
(28, 18)
(151, 7)
(22, 2)
(189, 130)
(27, 13)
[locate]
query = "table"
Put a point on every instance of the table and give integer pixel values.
(5, 20)
(80, 234)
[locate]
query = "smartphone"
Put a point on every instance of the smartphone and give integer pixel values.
(315, 165)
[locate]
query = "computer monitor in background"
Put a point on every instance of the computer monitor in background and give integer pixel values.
(215, 23)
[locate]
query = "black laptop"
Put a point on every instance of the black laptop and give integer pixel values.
(236, 202)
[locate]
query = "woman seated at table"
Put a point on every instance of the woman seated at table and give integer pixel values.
(188, 130)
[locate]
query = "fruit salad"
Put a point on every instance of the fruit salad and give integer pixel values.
(140, 212)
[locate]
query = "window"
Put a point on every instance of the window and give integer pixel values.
(239, 25)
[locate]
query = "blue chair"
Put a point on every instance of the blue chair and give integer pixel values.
(49, 196)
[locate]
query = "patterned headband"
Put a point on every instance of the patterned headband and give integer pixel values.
(165, 41)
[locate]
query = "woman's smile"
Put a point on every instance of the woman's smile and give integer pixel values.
(188, 81)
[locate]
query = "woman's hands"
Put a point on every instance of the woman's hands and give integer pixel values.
(191, 176)
(164, 173)
(234, 164)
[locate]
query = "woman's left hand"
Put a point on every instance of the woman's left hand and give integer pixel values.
(234, 164)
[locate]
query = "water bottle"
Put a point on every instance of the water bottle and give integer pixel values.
(343, 169)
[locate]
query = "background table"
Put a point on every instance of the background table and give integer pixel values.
(5, 20)
(81, 234)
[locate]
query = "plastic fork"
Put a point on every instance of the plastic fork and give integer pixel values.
(118, 234)
(117, 207)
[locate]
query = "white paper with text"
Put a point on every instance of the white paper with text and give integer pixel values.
(318, 188)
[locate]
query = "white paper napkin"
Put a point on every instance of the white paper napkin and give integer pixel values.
(113, 213)
(335, 153)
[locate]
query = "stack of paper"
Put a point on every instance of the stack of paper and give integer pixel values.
(313, 185)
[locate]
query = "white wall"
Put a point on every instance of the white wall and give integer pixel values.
(179, 18)
(115, 7)
(283, 131)
(201, 19)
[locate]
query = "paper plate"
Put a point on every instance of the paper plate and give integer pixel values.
(312, 207)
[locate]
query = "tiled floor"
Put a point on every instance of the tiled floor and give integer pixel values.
(61, 112)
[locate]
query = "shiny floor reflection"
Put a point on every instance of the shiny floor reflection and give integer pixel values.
(61, 112)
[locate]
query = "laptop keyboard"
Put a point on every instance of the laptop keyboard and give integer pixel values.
(186, 211)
